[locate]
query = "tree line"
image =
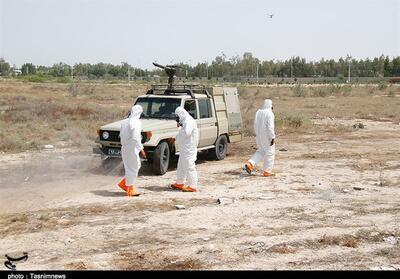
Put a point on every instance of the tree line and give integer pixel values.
(222, 67)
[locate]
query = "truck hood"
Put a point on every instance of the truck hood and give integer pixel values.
(147, 125)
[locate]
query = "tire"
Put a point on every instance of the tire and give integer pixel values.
(221, 147)
(161, 158)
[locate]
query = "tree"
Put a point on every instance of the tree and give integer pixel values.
(395, 66)
(28, 69)
(60, 70)
(4, 67)
(387, 67)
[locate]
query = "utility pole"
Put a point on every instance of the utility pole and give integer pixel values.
(291, 67)
(257, 72)
(129, 73)
(207, 69)
(349, 72)
(187, 66)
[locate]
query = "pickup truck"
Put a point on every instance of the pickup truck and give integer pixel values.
(216, 111)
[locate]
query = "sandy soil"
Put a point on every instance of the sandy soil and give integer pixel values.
(334, 204)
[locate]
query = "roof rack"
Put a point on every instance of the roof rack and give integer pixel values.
(177, 89)
(174, 89)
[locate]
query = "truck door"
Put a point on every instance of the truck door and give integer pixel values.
(208, 122)
(191, 107)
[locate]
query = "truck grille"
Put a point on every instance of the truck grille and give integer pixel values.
(114, 136)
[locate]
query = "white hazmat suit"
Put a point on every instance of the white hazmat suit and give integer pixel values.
(264, 126)
(131, 144)
(187, 140)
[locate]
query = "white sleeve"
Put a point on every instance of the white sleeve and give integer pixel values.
(271, 125)
(188, 127)
(255, 126)
(138, 138)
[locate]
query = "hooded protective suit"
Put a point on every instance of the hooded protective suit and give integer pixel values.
(264, 126)
(187, 140)
(131, 144)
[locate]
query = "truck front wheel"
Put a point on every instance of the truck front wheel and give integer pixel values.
(221, 147)
(161, 158)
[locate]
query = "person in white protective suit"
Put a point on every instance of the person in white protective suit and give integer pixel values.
(131, 142)
(264, 126)
(186, 140)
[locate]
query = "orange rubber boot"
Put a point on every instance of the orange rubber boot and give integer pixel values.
(122, 185)
(177, 186)
(189, 189)
(249, 167)
(132, 191)
(267, 174)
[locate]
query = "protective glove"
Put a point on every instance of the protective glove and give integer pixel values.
(177, 122)
(171, 141)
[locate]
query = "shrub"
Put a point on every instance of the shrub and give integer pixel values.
(293, 121)
(320, 92)
(346, 90)
(334, 89)
(73, 89)
(341, 78)
(64, 80)
(382, 85)
(299, 91)
(35, 78)
(371, 92)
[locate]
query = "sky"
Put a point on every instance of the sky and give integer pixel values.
(139, 32)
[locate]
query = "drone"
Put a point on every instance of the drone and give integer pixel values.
(270, 15)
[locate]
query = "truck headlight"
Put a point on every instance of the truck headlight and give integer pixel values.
(105, 135)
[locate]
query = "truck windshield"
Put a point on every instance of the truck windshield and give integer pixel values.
(158, 107)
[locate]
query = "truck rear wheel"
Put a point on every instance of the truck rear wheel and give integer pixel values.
(161, 158)
(221, 147)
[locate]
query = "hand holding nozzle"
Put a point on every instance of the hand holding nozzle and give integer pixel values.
(178, 123)
(171, 141)
(143, 154)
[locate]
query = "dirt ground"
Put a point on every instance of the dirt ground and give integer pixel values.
(334, 204)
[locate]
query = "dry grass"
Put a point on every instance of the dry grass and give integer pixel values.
(304, 189)
(391, 253)
(356, 105)
(282, 249)
(328, 155)
(77, 266)
(54, 219)
(154, 260)
(34, 114)
(346, 240)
